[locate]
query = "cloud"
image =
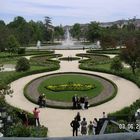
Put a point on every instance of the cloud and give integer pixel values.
(70, 11)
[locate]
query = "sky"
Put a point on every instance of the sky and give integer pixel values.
(68, 12)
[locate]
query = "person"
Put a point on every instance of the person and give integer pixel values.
(83, 48)
(104, 115)
(86, 102)
(41, 101)
(78, 117)
(75, 125)
(82, 101)
(95, 123)
(78, 103)
(36, 112)
(74, 100)
(24, 118)
(90, 128)
(84, 127)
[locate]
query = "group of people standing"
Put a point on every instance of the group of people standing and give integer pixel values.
(81, 125)
(80, 102)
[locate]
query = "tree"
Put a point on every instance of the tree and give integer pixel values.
(108, 38)
(13, 44)
(48, 34)
(76, 31)
(94, 32)
(3, 36)
(22, 65)
(58, 32)
(131, 54)
(116, 65)
(21, 30)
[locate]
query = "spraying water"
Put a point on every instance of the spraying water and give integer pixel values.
(68, 39)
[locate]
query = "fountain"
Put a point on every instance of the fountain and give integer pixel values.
(98, 44)
(68, 43)
(68, 39)
(38, 45)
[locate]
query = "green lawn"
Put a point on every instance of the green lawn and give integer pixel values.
(7, 77)
(67, 95)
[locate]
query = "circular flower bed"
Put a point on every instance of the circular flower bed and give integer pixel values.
(70, 86)
(103, 91)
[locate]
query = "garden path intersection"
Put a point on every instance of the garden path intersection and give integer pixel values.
(58, 120)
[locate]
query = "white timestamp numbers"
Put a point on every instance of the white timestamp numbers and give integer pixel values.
(129, 126)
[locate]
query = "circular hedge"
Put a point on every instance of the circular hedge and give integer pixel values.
(105, 90)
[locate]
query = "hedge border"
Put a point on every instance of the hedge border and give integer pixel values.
(110, 72)
(60, 107)
(18, 55)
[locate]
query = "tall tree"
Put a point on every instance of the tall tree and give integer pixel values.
(58, 32)
(48, 35)
(94, 32)
(12, 44)
(76, 31)
(3, 35)
(131, 54)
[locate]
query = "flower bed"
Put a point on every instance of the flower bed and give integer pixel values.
(70, 87)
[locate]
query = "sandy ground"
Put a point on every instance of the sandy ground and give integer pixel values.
(58, 120)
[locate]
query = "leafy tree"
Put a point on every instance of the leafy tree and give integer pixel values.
(48, 34)
(13, 44)
(76, 31)
(22, 65)
(58, 32)
(131, 54)
(94, 32)
(108, 38)
(4, 33)
(116, 65)
(37, 31)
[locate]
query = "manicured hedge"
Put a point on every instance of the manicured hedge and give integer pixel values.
(108, 51)
(28, 53)
(127, 76)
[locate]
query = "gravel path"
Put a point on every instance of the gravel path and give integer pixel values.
(57, 120)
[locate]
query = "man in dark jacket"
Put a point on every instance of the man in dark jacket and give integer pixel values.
(75, 125)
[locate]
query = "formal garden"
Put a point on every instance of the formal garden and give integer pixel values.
(83, 75)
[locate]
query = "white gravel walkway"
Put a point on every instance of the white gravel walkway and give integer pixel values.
(58, 120)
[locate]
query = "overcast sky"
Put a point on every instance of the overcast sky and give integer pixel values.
(70, 11)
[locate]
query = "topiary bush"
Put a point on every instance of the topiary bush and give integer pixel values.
(22, 65)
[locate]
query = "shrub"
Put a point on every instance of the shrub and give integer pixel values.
(20, 130)
(22, 65)
(21, 51)
(116, 65)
